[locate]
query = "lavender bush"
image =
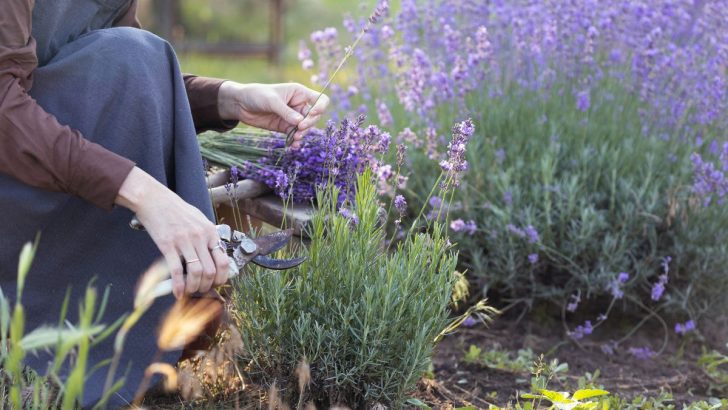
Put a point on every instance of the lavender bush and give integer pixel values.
(587, 116)
(364, 320)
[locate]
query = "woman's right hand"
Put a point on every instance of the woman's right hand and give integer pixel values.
(180, 231)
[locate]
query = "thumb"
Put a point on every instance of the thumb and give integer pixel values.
(287, 113)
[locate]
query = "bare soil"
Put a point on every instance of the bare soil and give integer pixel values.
(459, 384)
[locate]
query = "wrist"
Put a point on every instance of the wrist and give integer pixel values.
(136, 189)
(228, 104)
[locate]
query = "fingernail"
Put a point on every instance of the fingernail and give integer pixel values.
(298, 117)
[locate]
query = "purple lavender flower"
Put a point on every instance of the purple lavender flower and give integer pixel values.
(303, 51)
(380, 10)
(457, 225)
(582, 330)
(435, 202)
(683, 328)
(500, 155)
(234, 176)
(515, 230)
(533, 258)
(384, 172)
(508, 198)
(455, 164)
(469, 322)
(642, 353)
(707, 180)
(609, 348)
(615, 286)
(351, 216)
(385, 117)
(532, 234)
(470, 227)
(575, 299)
(400, 204)
(583, 100)
(658, 288)
(401, 151)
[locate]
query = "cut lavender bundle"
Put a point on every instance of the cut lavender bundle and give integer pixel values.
(332, 155)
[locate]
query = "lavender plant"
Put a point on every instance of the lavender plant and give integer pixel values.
(587, 116)
(365, 320)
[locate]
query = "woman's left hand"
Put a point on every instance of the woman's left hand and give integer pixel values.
(275, 107)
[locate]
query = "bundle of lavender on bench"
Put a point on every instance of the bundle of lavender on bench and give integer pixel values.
(334, 155)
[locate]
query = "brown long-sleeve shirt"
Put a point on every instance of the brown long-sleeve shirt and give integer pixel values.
(39, 151)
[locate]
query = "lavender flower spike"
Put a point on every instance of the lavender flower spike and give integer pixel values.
(381, 10)
(455, 164)
(401, 204)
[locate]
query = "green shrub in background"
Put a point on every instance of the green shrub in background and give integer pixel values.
(602, 197)
(365, 319)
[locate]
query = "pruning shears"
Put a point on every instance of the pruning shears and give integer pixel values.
(241, 249)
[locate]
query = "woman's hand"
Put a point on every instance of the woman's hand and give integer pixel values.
(180, 231)
(275, 107)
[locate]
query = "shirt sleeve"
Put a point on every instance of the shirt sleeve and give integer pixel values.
(34, 147)
(201, 91)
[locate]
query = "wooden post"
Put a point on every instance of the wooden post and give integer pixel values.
(276, 31)
(165, 11)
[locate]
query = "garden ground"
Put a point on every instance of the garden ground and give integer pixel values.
(458, 383)
(509, 347)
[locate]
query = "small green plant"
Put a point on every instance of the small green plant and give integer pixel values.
(365, 318)
(23, 388)
(715, 365)
(501, 359)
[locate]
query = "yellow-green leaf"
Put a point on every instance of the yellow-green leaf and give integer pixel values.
(26, 259)
(45, 336)
(556, 397)
(587, 406)
(589, 393)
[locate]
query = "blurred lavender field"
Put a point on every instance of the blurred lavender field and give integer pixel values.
(599, 148)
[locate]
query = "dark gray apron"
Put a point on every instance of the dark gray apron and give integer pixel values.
(121, 88)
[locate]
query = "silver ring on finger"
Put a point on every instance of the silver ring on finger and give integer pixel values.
(217, 247)
(192, 261)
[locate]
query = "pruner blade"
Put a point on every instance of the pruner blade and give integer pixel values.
(266, 245)
(277, 264)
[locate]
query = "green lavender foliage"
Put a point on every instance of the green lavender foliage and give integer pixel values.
(364, 317)
(604, 196)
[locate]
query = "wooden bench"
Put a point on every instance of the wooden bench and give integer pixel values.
(255, 202)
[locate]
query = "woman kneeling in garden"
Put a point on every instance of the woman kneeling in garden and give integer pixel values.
(95, 113)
